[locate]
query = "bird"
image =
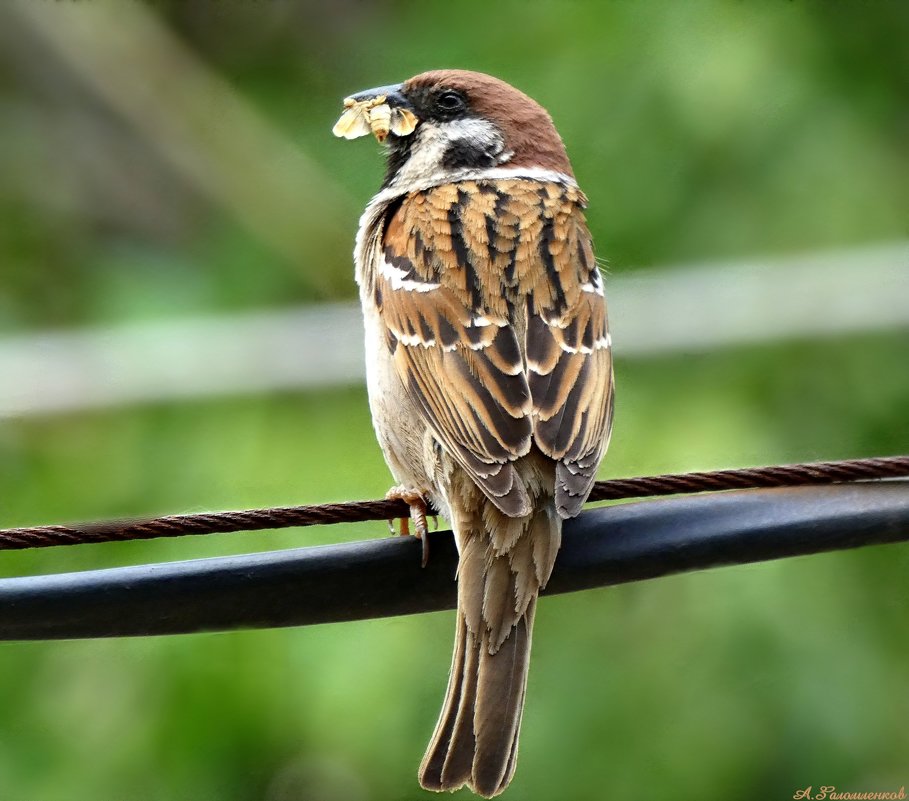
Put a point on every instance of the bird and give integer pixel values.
(489, 371)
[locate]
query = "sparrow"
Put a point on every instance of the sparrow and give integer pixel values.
(489, 371)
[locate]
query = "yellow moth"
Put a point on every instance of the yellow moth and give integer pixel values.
(373, 116)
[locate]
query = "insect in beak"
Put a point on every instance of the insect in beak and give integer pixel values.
(367, 113)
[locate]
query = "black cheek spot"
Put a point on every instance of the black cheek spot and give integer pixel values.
(463, 154)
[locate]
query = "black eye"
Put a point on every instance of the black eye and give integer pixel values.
(450, 101)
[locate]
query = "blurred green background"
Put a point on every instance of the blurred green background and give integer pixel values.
(175, 158)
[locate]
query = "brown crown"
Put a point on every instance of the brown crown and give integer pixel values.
(526, 126)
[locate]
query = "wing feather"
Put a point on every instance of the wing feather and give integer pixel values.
(569, 357)
(496, 324)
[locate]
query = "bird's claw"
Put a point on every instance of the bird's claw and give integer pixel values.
(417, 503)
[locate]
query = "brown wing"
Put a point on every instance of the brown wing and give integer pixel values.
(481, 286)
(449, 333)
(568, 351)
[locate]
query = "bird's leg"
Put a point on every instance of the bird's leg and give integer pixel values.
(417, 503)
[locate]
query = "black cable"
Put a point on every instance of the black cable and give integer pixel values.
(383, 577)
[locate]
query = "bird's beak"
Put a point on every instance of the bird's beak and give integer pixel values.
(379, 111)
(392, 93)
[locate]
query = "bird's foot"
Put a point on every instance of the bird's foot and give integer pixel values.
(417, 503)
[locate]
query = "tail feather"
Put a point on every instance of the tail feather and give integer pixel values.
(504, 562)
(434, 775)
(499, 709)
(457, 764)
(476, 739)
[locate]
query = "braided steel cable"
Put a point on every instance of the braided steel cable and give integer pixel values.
(795, 475)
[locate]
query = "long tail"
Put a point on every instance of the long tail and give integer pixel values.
(504, 564)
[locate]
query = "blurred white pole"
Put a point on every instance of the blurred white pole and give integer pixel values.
(691, 308)
(683, 309)
(235, 354)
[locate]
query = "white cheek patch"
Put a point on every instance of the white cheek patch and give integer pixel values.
(481, 134)
(433, 140)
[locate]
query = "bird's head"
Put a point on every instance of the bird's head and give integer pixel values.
(447, 124)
